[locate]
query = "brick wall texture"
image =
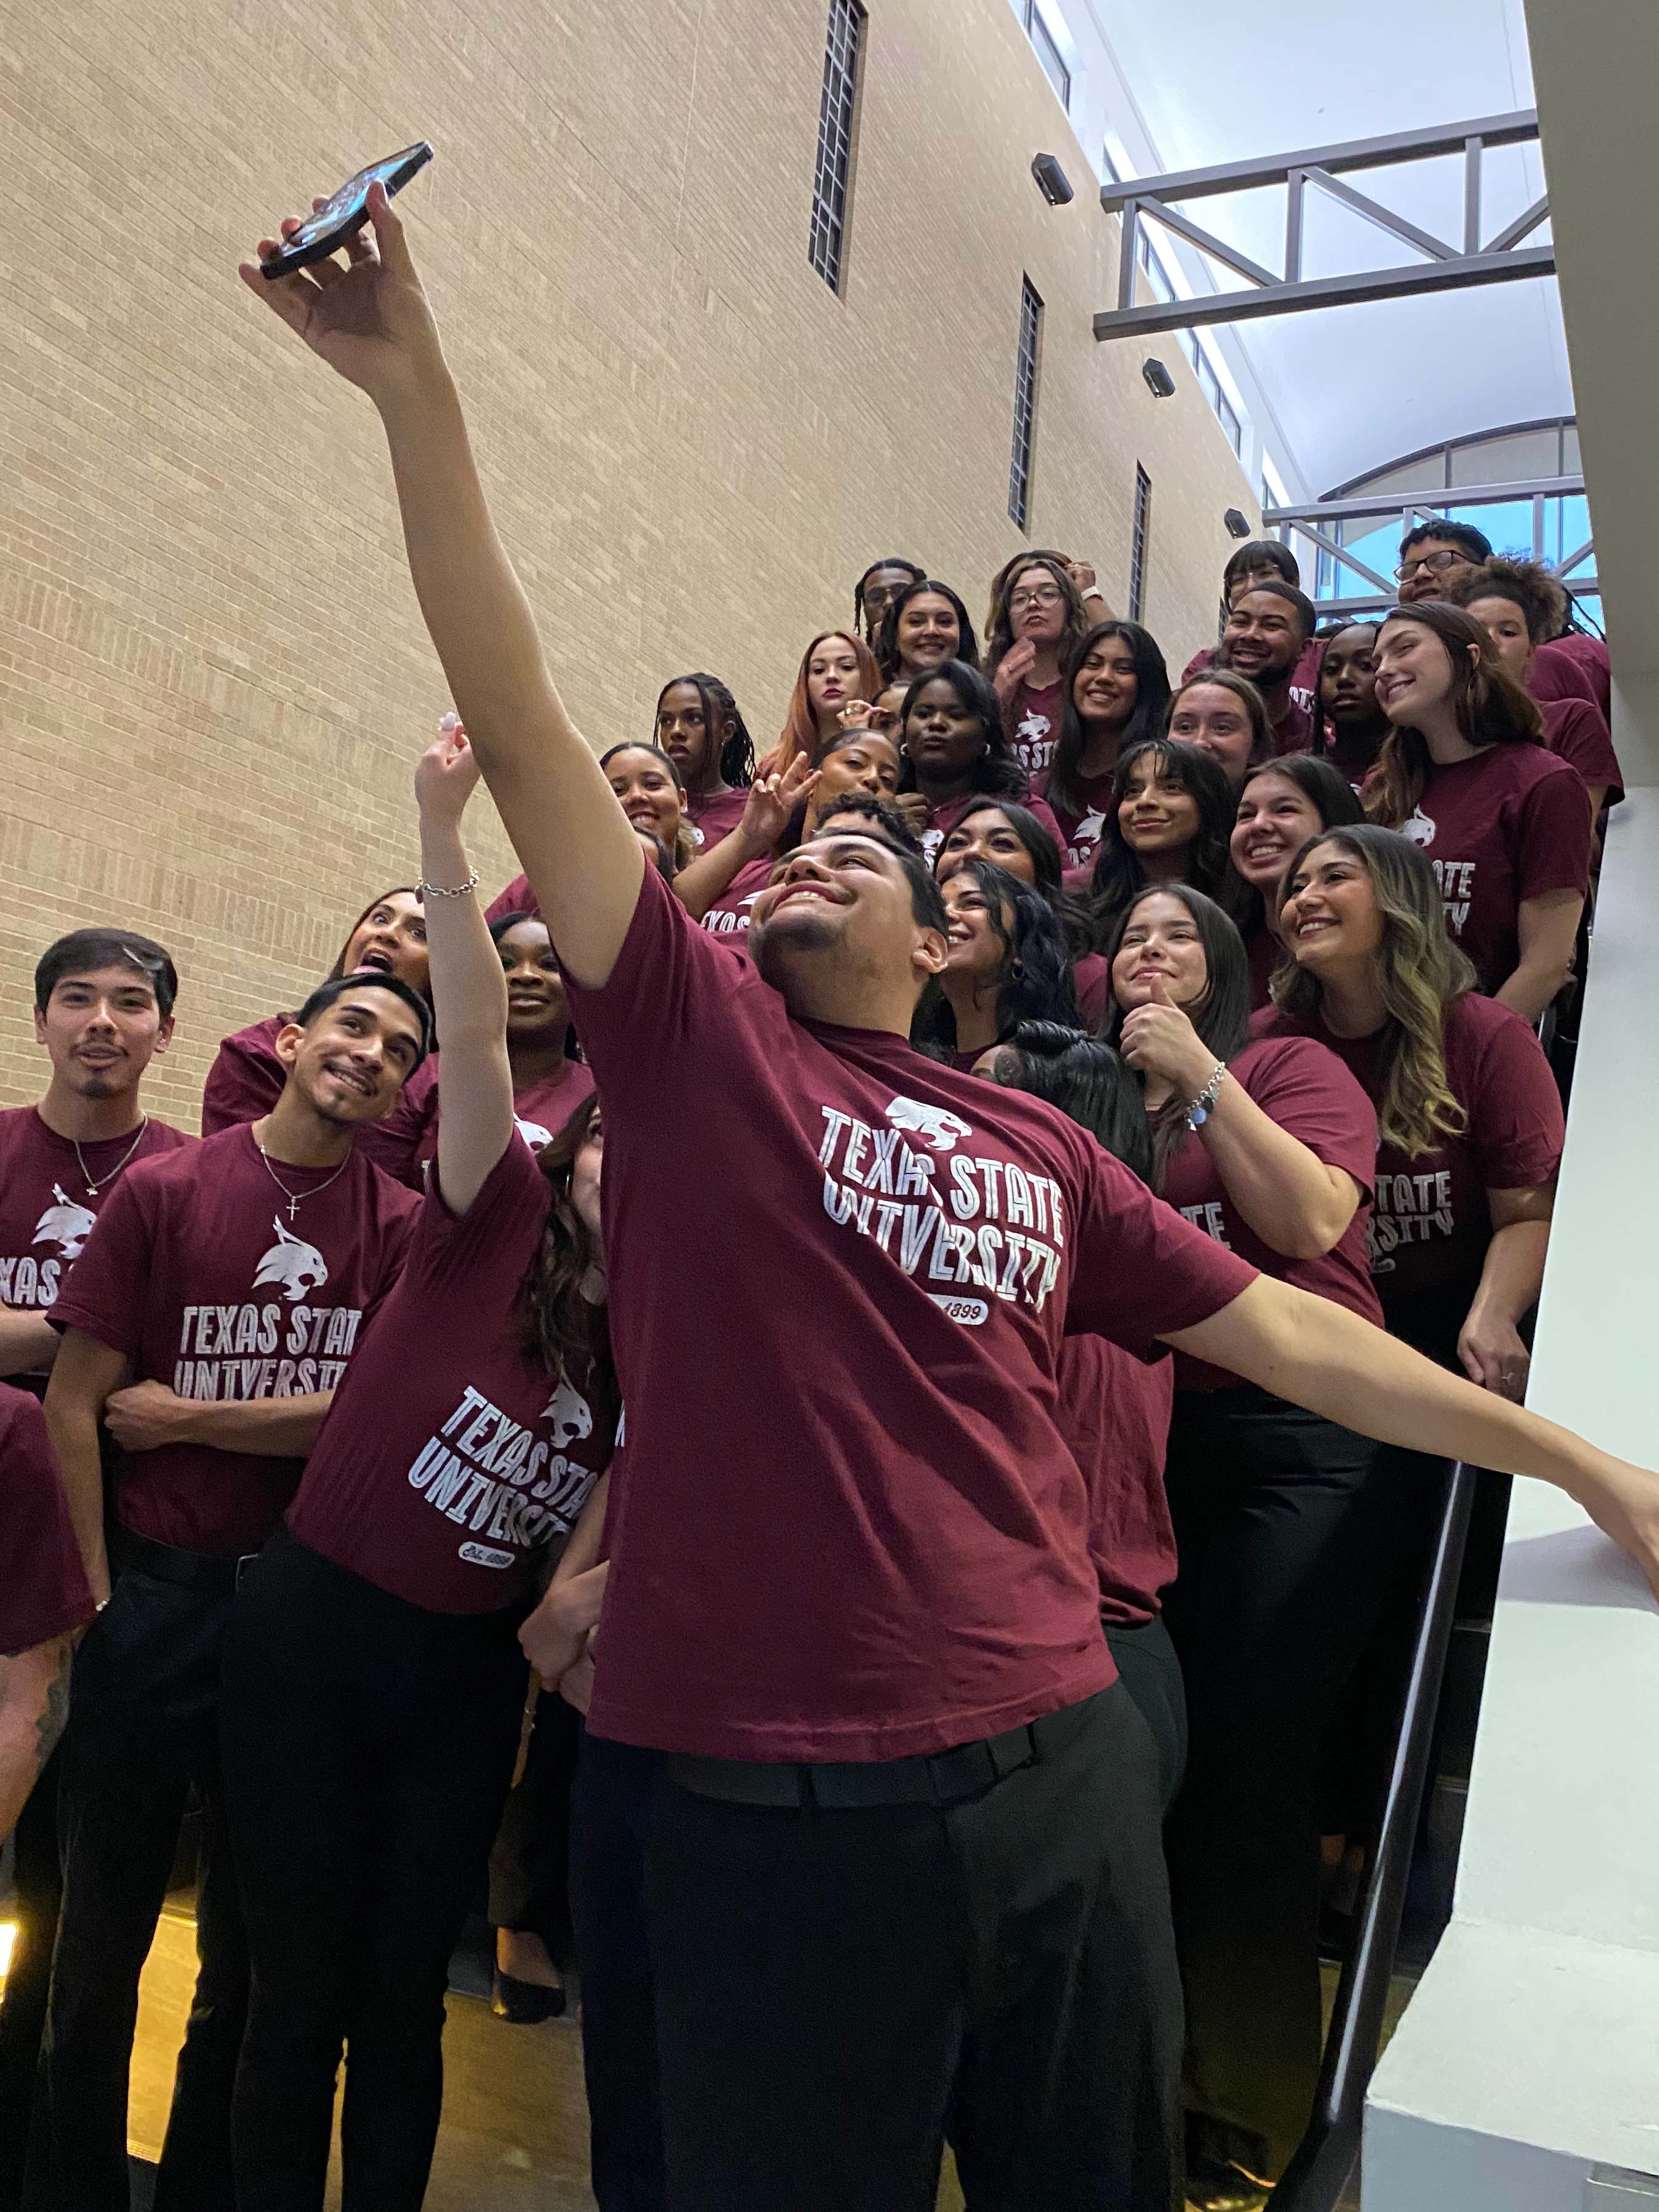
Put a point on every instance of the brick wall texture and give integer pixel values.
(214, 681)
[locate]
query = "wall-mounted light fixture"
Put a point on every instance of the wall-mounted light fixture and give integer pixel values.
(1237, 524)
(1053, 182)
(1159, 382)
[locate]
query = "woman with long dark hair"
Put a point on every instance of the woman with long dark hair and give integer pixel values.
(1465, 773)
(1009, 835)
(1285, 1530)
(1009, 963)
(1169, 821)
(926, 624)
(698, 725)
(1038, 622)
(246, 1078)
(651, 792)
(876, 590)
(1283, 804)
(954, 750)
(1115, 691)
(373, 1680)
(1520, 607)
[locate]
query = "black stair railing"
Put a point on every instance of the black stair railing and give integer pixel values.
(1326, 2157)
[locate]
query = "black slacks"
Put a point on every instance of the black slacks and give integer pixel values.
(1291, 1532)
(23, 2002)
(369, 1745)
(787, 2009)
(145, 1697)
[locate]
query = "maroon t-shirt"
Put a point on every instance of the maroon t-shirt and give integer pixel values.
(43, 1584)
(1081, 833)
(451, 1456)
(1032, 719)
(872, 1492)
(517, 898)
(1573, 667)
(728, 917)
(246, 1080)
(942, 820)
(47, 1209)
(1263, 951)
(196, 1273)
(1503, 826)
(1092, 979)
(711, 819)
(541, 1110)
(1313, 1097)
(1430, 1221)
(1577, 733)
(1304, 679)
(1114, 1413)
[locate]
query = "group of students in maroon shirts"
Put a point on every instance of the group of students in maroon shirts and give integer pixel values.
(1006, 1121)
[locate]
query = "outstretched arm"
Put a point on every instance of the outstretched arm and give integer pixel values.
(469, 989)
(1319, 1355)
(368, 317)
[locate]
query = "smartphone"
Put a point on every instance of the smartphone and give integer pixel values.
(346, 213)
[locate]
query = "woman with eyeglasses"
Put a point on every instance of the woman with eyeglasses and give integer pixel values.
(1037, 622)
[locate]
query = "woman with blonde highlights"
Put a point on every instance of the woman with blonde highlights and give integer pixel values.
(1465, 773)
(1467, 1111)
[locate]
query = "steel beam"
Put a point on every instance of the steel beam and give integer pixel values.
(1512, 130)
(1463, 273)
(1431, 502)
(1329, 610)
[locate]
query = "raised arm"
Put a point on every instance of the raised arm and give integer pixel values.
(468, 988)
(1319, 1355)
(772, 799)
(368, 317)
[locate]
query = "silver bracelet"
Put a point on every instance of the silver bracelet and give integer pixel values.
(1204, 1105)
(425, 890)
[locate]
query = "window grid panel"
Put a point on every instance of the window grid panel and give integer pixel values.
(1138, 542)
(831, 177)
(1053, 62)
(1020, 469)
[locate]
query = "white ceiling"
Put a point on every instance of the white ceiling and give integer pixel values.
(1352, 387)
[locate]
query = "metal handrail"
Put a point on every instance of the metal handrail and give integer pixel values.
(1326, 2157)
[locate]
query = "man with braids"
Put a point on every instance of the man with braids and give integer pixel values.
(852, 1667)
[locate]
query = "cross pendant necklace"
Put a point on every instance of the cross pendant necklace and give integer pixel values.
(296, 1198)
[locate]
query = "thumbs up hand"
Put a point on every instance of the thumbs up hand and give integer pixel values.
(1159, 1038)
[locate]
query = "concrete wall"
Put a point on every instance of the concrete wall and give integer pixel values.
(213, 677)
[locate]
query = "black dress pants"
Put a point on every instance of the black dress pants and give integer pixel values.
(787, 2009)
(1290, 1532)
(369, 1745)
(145, 1697)
(23, 2003)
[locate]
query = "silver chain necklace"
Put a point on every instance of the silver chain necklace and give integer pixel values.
(93, 1189)
(296, 1199)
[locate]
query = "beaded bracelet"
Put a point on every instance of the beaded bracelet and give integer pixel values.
(1204, 1105)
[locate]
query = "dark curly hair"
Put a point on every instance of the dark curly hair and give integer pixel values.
(1033, 977)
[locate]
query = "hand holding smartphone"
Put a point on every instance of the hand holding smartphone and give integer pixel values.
(344, 213)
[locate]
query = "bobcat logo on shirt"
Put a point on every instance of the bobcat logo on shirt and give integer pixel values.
(1085, 838)
(298, 1267)
(65, 1224)
(571, 1416)
(533, 1133)
(1031, 742)
(938, 1127)
(1419, 829)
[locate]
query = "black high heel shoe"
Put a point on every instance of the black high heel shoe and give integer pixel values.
(525, 2003)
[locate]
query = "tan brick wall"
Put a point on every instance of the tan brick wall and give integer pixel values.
(213, 677)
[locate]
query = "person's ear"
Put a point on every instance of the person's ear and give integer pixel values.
(287, 1043)
(931, 952)
(39, 1027)
(163, 1034)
